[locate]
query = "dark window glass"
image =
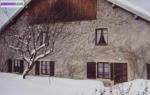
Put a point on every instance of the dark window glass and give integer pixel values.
(18, 66)
(101, 36)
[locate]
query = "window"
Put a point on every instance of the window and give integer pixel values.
(44, 38)
(45, 68)
(104, 70)
(18, 66)
(101, 36)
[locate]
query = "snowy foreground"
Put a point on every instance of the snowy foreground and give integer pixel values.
(12, 84)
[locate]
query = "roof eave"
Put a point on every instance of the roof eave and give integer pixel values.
(11, 18)
(132, 8)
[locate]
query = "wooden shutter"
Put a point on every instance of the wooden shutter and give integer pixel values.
(21, 66)
(112, 71)
(37, 65)
(148, 71)
(120, 72)
(91, 70)
(9, 64)
(52, 68)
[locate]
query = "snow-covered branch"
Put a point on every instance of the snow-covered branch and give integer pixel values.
(36, 50)
(34, 42)
(14, 48)
(43, 55)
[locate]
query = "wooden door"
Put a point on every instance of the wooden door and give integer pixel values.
(120, 72)
(91, 70)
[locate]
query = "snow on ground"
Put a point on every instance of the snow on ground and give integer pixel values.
(12, 84)
(136, 87)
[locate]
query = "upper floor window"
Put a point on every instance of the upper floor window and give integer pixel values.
(44, 38)
(101, 36)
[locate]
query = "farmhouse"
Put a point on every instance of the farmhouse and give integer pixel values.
(111, 40)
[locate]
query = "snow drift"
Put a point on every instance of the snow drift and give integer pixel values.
(12, 84)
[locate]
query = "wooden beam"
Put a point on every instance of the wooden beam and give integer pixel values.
(113, 6)
(136, 17)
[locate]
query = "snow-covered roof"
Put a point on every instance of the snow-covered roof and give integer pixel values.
(140, 8)
(7, 14)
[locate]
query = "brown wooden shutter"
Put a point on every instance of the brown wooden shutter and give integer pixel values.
(112, 71)
(52, 68)
(91, 70)
(37, 66)
(9, 64)
(21, 66)
(120, 72)
(148, 71)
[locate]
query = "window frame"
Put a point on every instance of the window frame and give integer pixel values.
(96, 36)
(45, 67)
(103, 70)
(44, 37)
(18, 66)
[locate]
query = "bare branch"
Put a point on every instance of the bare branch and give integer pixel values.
(38, 49)
(14, 48)
(43, 55)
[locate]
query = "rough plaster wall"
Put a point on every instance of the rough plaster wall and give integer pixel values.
(80, 48)
(122, 28)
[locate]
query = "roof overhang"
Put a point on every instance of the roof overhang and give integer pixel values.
(14, 13)
(133, 8)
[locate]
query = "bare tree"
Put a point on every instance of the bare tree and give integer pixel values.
(138, 57)
(35, 42)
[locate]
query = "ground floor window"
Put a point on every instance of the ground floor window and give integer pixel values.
(103, 70)
(46, 68)
(107, 70)
(18, 66)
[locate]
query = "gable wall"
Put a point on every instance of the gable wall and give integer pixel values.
(80, 48)
(123, 30)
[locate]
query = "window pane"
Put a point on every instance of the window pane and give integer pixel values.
(18, 64)
(100, 70)
(106, 70)
(45, 67)
(106, 65)
(100, 67)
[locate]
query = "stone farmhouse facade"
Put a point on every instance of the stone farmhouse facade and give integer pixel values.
(102, 49)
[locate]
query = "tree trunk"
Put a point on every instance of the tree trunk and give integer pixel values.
(25, 73)
(27, 70)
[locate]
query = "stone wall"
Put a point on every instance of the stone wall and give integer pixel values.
(123, 31)
(79, 48)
